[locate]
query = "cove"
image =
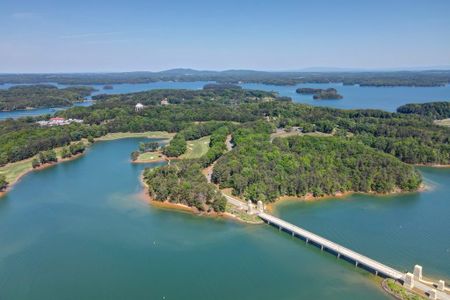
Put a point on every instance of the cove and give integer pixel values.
(79, 230)
(355, 97)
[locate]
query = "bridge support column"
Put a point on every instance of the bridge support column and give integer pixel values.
(409, 280)
(260, 206)
(418, 272)
(279, 228)
(338, 255)
(376, 273)
(356, 263)
(432, 294)
(321, 247)
(292, 233)
(441, 285)
(250, 207)
(307, 240)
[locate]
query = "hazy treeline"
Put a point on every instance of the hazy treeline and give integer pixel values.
(394, 78)
(38, 96)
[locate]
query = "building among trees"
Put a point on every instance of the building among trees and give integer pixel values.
(139, 107)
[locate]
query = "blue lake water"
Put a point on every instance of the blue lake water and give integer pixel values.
(384, 98)
(80, 230)
(118, 89)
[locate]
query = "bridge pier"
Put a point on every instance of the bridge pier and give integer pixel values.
(441, 285)
(409, 280)
(250, 207)
(260, 206)
(432, 294)
(417, 272)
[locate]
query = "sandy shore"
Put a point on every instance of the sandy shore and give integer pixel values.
(339, 195)
(432, 165)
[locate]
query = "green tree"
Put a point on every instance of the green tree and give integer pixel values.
(3, 182)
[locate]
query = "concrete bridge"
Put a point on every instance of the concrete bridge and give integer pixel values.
(410, 280)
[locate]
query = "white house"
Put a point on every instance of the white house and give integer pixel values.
(139, 107)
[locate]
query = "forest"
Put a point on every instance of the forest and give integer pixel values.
(412, 138)
(295, 166)
(434, 110)
(394, 78)
(361, 142)
(184, 183)
(38, 96)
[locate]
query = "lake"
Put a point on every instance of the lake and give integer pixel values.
(80, 230)
(384, 98)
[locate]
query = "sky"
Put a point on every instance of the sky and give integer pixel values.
(139, 35)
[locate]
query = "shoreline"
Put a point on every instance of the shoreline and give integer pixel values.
(271, 207)
(144, 195)
(439, 166)
(41, 167)
(108, 137)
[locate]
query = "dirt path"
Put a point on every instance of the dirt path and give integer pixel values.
(208, 171)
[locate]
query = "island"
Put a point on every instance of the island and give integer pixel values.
(41, 96)
(325, 94)
(108, 87)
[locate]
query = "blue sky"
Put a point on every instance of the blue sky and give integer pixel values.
(100, 35)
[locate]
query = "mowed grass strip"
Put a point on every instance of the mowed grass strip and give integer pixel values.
(147, 134)
(196, 148)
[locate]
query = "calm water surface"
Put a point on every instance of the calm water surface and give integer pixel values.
(79, 230)
(118, 89)
(356, 97)
(385, 98)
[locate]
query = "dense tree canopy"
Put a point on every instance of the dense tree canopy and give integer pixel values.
(184, 183)
(435, 110)
(411, 138)
(3, 182)
(36, 96)
(295, 166)
(399, 78)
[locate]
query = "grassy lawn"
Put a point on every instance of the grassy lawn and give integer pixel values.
(149, 156)
(401, 292)
(445, 122)
(196, 148)
(14, 170)
(148, 134)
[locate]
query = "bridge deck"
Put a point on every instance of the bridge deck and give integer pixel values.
(359, 259)
(342, 251)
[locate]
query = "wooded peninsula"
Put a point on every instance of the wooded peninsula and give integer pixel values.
(325, 151)
(40, 96)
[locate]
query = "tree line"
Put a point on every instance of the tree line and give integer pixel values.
(38, 96)
(295, 166)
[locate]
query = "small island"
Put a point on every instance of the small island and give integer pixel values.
(108, 87)
(320, 94)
